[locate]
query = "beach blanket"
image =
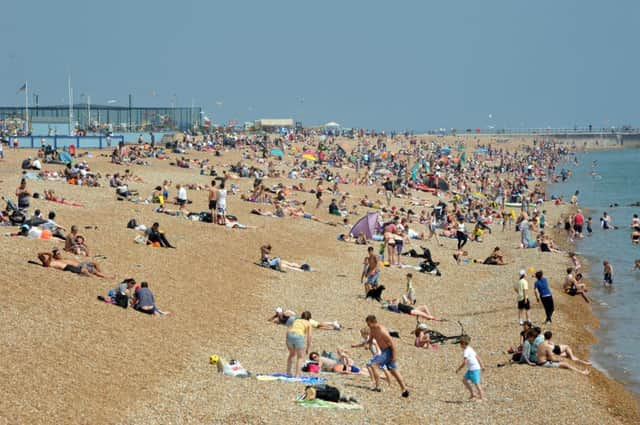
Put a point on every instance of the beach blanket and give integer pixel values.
(307, 380)
(328, 404)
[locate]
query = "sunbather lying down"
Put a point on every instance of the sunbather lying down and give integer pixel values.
(275, 263)
(496, 258)
(329, 362)
(54, 260)
(420, 311)
(283, 317)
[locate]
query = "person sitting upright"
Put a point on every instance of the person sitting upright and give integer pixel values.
(156, 237)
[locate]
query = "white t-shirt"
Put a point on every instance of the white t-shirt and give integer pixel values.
(182, 193)
(471, 357)
(222, 198)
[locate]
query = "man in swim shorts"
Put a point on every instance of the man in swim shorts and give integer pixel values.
(371, 271)
(562, 350)
(546, 358)
(386, 357)
(55, 261)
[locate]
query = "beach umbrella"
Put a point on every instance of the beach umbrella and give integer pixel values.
(366, 225)
(64, 157)
(277, 152)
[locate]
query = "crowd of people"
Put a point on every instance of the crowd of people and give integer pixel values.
(474, 197)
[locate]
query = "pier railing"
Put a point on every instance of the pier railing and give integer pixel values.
(80, 142)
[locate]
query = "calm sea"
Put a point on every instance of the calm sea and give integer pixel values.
(617, 182)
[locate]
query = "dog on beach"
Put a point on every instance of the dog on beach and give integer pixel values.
(376, 293)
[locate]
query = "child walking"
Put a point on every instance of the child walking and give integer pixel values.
(474, 365)
(410, 296)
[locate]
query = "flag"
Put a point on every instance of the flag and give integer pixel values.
(22, 89)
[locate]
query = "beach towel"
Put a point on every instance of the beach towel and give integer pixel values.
(328, 404)
(307, 380)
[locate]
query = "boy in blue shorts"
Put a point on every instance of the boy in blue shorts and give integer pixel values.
(474, 366)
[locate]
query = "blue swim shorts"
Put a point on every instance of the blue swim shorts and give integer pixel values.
(473, 376)
(383, 359)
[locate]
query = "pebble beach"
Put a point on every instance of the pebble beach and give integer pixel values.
(68, 358)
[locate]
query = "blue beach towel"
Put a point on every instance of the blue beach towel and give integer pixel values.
(307, 380)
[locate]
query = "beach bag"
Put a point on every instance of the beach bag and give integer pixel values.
(132, 224)
(233, 368)
(322, 392)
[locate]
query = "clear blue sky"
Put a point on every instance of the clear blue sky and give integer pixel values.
(375, 64)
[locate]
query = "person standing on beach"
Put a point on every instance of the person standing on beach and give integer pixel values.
(543, 295)
(213, 200)
(522, 288)
(221, 217)
(608, 273)
(299, 330)
(182, 197)
(319, 190)
(388, 189)
(433, 227)
(461, 234)
(371, 271)
(387, 356)
(474, 366)
(578, 223)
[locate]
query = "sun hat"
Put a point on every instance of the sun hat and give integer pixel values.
(278, 310)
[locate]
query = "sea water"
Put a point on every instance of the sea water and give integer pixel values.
(604, 179)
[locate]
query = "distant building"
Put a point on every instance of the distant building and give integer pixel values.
(271, 124)
(116, 118)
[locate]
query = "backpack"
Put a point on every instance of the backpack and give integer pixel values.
(206, 217)
(122, 300)
(132, 224)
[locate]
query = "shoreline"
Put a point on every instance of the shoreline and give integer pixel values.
(621, 401)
